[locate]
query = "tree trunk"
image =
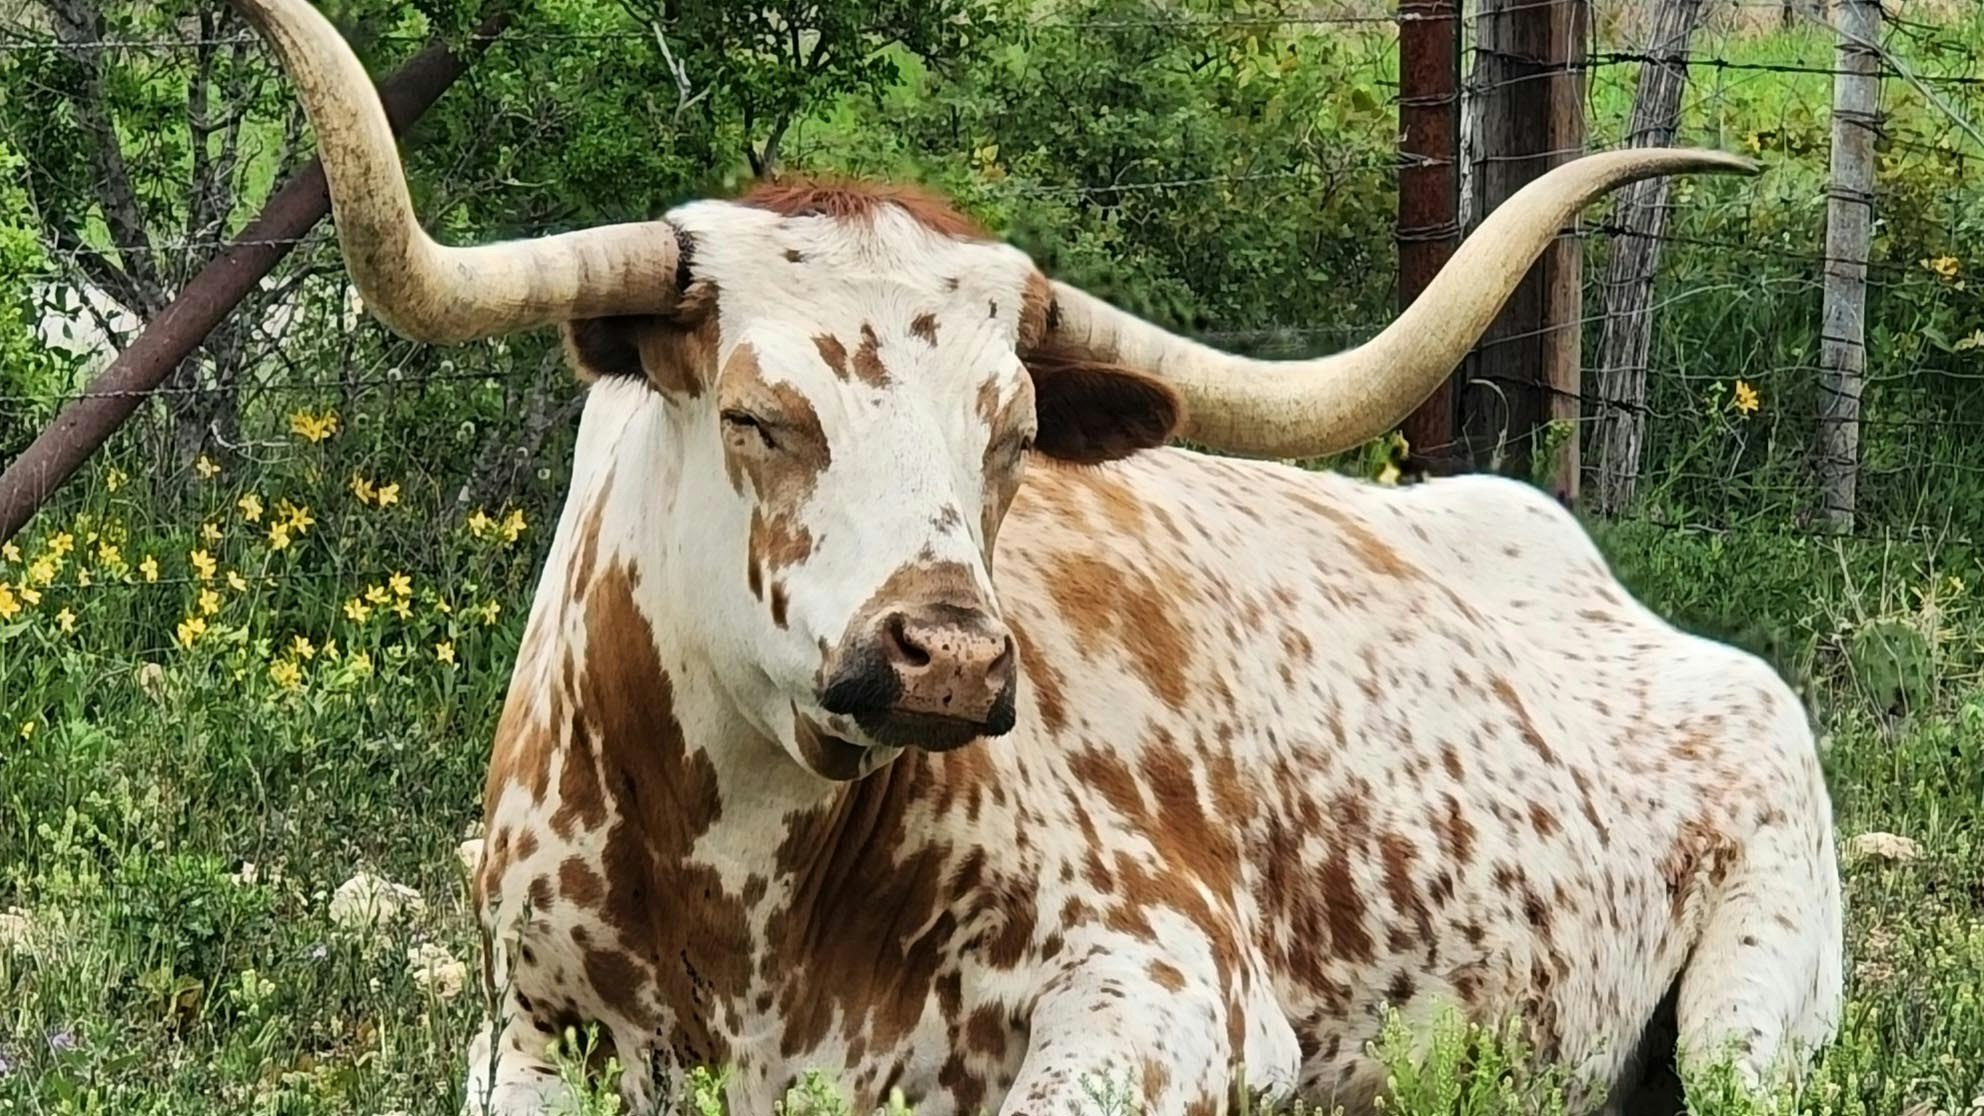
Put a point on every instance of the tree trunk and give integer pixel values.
(1856, 120)
(1627, 337)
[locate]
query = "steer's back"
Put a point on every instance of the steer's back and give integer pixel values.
(1418, 744)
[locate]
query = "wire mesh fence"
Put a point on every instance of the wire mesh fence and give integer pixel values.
(1230, 172)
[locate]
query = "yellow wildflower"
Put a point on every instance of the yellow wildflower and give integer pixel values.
(210, 532)
(402, 609)
(27, 730)
(44, 569)
(490, 612)
(402, 585)
(209, 602)
(149, 567)
(83, 577)
(389, 494)
(445, 651)
(479, 523)
(114, 479)
(65, 620)
(10, 552)
(299, 519)
(361, 664)
(286, 674)
(301, 646)
(1944, 267)
(31, 596)
(251, 507)
(442, 606)
(206, 467)
(1746, 400)
(190, 630)
(313, 428)
(330, 649)
(278, 536)
(9, 607)
(108, 555)
(513, 525)
(357, 610)
(62, 543)
(362, 488)
(203, 564)
(376, 594)
(236, 582)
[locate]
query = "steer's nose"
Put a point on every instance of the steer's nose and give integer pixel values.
(933, 677)
(952, 663)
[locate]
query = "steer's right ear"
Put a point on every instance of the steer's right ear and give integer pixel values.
(676, 354)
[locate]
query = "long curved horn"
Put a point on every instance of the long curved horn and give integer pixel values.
(423, 290)
(1305, 408)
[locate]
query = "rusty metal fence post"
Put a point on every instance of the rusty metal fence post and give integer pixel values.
(1428, 185)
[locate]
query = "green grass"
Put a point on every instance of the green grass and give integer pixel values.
(174, 821)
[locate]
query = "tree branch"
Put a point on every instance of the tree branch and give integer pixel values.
(79, 25)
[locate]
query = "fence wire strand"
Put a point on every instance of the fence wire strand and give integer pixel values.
(1923, 388)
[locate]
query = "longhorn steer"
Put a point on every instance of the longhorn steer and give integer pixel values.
(833, 742)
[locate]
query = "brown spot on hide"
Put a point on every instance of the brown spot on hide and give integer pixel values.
(1106, 602)
(833, 352)
(677, 954)
(868, 359)
(1506, 694)
(864, 931)
(924, 326)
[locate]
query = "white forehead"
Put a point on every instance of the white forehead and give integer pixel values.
(838, 272)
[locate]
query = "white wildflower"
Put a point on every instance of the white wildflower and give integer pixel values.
(1884, 846)
(436, 970)
(368, 900)
(17, 930)
(469, 852)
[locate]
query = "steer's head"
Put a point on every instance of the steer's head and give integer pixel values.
(852, 382)
(849, 403)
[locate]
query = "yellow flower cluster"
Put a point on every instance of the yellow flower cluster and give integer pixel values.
(293, 521)
(383, 495)
(510, 528)
(311, 427)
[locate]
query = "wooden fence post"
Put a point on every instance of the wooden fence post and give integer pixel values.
(1525, 373)
(1428, 186)
(1856, 121)
(1626, 337)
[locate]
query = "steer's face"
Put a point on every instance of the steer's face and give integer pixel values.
(852, 418)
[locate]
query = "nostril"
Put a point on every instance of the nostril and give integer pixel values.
(1000, 671)
(904, 646)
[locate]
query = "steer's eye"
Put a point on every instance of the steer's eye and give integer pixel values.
(743, 424)
(1011, 449)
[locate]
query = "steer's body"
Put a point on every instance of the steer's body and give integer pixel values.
(892, 705)
(1289, 747)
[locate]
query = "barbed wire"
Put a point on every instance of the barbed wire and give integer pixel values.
(1800, 248)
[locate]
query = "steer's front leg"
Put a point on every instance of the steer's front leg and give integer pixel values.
(1127, 1028)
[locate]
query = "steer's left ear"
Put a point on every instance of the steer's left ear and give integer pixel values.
(1090, 412)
